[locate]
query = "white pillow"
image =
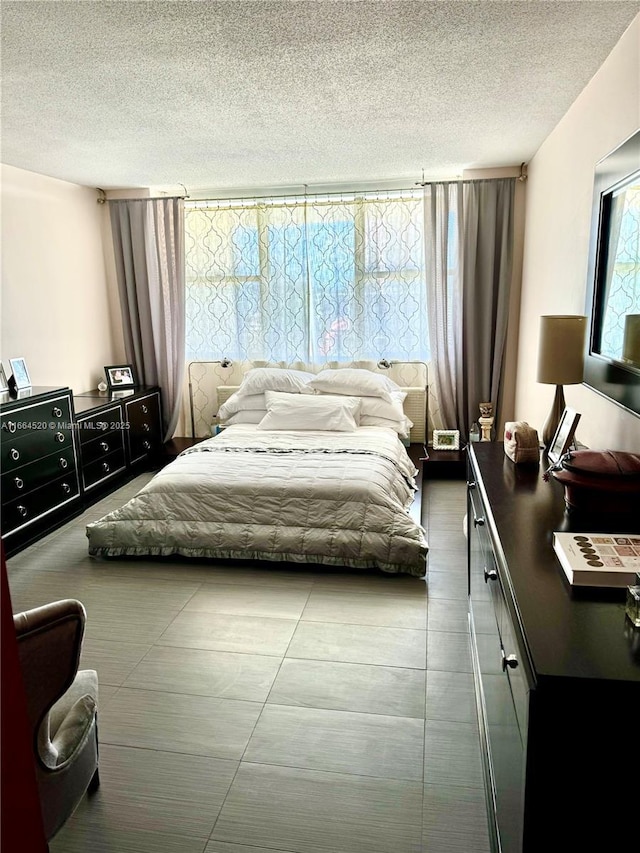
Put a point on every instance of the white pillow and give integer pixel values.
(250, 417)
(379, 408)
(303, 411)
(402, 426)
(239, 403)
(354, 381)
(261, 379)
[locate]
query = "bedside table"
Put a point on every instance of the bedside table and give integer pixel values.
(444, 464)
(177, 444)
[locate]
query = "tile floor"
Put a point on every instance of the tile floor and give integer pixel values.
(247, 710)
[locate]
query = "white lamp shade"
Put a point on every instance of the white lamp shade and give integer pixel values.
(561, 349)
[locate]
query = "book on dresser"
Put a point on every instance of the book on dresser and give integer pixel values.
(598, 559)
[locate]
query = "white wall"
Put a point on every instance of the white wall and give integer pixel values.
(57, 309)
(558, 223)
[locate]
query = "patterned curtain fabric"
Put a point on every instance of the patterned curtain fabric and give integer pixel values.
(148, 239)
(307, 278)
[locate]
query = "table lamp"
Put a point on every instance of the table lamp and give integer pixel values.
(560, 362)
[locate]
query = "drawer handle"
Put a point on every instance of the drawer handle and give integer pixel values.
(56, 412)
(59, 437)
(14, 454)
(490, 575)
(471, 484)
(63, 463)
(146, 444)
(146, 427)
(509, 662)
(478, 522)
(66, 488)
(145, 410)
(9, 426)
(104, 446)
(18, 482)
(23, 511)
(105, 467)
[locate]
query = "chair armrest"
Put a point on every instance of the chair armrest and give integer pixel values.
(49, 646)
(46, 616)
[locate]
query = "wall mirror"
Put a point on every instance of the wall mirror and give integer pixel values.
(612, 359)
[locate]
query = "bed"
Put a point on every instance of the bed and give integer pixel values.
(335, 497)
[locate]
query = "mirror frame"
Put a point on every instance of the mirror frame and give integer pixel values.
(611, 378)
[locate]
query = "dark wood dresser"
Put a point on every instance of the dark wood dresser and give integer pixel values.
(557, 672)
(119, 433)
(39, 464)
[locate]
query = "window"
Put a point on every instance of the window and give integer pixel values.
(309, 279)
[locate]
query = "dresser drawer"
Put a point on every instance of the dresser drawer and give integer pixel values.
(30, 507)
(38, 417)
(101, 446)
(22, 449)
(26, 478)
(141, 446)
(144, 434)
(516, 671)
(101, 424)
(102, 469)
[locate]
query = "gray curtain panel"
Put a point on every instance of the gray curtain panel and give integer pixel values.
(469, 254)
(148, 239)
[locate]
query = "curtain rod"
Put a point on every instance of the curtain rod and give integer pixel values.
(102, 199)
(356, 193)
(142, 198)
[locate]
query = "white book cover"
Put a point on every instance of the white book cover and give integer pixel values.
(598, 559)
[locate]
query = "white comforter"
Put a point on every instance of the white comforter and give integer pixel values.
(311, 497)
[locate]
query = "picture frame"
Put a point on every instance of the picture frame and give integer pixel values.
(446, 439)
(564, 435)
(120, 376)
(20, 373)
(4, 384)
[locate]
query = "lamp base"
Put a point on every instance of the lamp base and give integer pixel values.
(553, 419)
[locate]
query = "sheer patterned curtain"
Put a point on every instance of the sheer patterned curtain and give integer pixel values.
(148, 239)
(307, 278)
(469, 258)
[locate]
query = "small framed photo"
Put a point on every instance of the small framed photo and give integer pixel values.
(20, 373)
(120, 376)
(4, 385)
(564, 435)
(446, 439)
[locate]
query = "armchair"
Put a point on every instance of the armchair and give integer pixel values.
(61, 706)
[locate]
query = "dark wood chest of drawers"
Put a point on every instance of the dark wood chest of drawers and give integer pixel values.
(118, 435)
(557, 672)
(38, 463)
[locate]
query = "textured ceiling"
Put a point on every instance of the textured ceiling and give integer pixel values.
(257, 94)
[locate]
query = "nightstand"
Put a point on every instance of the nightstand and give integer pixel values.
(177, 444)
(444, 464)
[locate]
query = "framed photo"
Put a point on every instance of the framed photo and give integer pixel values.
(446, 439)
(20, 373)
(4, 385)
(564, 435)
(120, 376)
